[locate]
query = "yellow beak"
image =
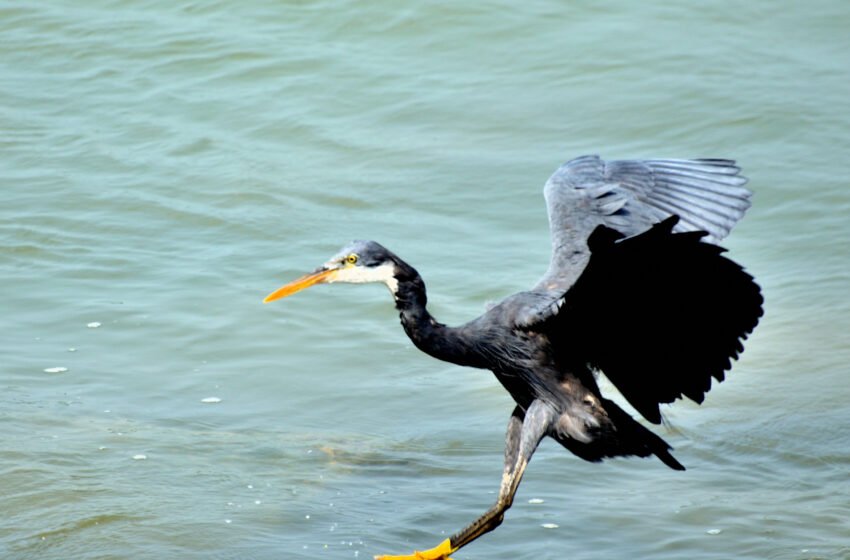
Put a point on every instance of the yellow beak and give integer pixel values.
(318, 277)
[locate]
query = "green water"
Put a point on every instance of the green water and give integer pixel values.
(166, 166)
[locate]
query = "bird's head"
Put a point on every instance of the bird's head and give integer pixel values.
(359, 262)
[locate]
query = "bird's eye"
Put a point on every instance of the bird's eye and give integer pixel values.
(351, 259)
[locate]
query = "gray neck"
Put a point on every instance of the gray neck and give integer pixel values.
(432, 337)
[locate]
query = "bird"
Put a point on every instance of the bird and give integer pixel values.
(637, 288)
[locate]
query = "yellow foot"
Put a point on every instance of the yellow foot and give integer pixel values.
(439, 552)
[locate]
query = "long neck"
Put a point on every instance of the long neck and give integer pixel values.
(436, 339)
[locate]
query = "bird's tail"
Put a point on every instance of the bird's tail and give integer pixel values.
(624, 436)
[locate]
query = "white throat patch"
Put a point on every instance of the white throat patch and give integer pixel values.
(364, 275)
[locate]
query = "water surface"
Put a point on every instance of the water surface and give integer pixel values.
(164, 167)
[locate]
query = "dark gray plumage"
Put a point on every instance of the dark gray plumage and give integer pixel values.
(635, 288)
(630, 196)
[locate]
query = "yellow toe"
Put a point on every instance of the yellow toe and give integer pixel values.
(439, 552)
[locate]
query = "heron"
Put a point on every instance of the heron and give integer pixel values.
(637, 289)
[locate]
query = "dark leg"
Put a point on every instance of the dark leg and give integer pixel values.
(523, 437)
(525, 430)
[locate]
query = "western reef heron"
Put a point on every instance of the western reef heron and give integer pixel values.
(636, 289)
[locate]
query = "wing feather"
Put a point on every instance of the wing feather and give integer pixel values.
(661, 314)
(632, 195)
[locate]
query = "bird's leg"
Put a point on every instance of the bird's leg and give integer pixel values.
(524, 435)
(525, 430)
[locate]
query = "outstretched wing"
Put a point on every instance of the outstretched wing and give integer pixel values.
(661, 314)
(630, 196)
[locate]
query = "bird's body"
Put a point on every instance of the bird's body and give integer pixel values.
(632, 290)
